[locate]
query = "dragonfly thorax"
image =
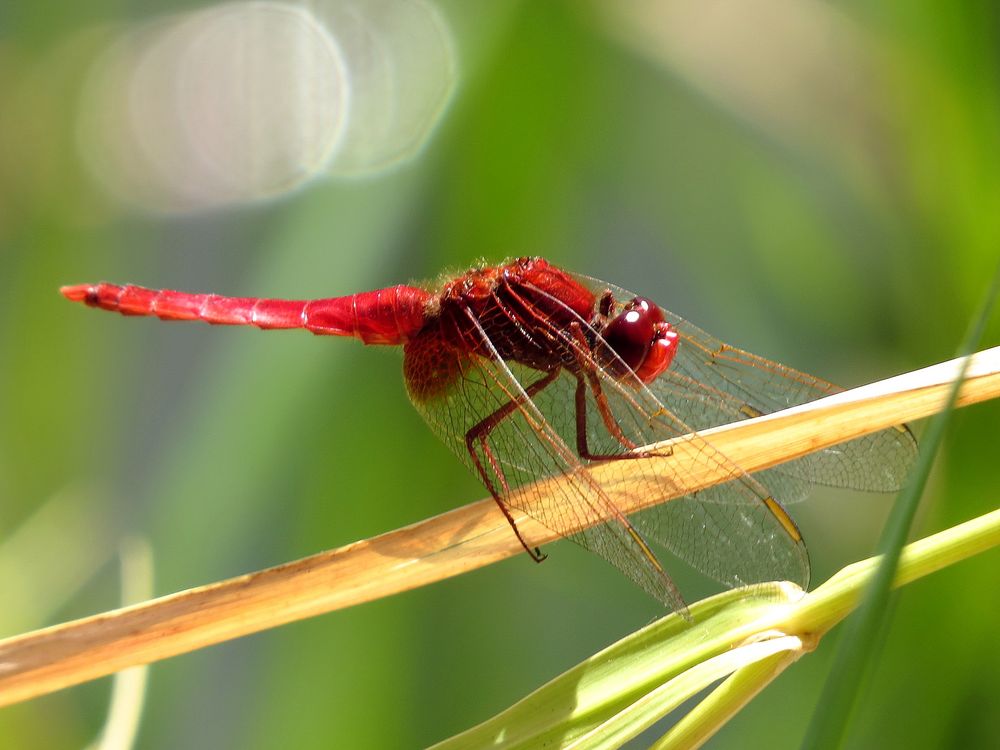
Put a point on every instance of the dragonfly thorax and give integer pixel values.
(530, 312)
(521, 311)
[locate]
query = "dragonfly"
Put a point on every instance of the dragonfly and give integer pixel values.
(528, 371)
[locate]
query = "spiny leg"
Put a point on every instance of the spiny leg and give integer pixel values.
(586, 370)
(480, 433)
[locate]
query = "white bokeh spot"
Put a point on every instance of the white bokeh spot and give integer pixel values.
(244, 101)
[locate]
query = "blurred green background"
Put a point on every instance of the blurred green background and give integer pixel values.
(818, 183)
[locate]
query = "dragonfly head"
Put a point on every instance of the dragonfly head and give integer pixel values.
(639, 337)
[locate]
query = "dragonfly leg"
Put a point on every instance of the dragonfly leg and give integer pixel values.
(582, 448)
(586, 371)
(480, 434)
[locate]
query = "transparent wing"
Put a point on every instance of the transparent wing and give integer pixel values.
(737, 535)
(711, 383)
(527, 446)
(734, 532)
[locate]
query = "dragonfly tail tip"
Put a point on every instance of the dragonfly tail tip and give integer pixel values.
(75, 293)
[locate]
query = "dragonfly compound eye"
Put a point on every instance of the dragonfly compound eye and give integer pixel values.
(641, 339)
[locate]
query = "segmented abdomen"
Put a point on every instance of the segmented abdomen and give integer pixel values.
(384, 316)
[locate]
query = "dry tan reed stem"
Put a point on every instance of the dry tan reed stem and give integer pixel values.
(469, 537)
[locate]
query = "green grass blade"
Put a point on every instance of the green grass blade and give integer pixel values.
(609, 695)
(859, 642)
(736, 691)
(751, 634)
(649, 709)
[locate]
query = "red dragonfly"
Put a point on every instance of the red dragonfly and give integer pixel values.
(528, 371)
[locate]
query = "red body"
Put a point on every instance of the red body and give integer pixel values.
(384, 316)
(510, 308)
(511, 304)
(528, 371)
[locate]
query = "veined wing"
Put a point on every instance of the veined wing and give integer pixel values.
(711, 383)
(735, 532)
(526, 446)
(737, 536)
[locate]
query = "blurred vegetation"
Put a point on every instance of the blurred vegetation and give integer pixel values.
(847, 228)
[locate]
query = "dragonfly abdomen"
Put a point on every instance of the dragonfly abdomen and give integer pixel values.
(384, 316)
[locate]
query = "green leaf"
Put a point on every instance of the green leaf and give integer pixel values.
(857, 649)
(748, 635)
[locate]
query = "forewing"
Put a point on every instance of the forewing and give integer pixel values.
(711, 383)
(735, 532)
(529, 445)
